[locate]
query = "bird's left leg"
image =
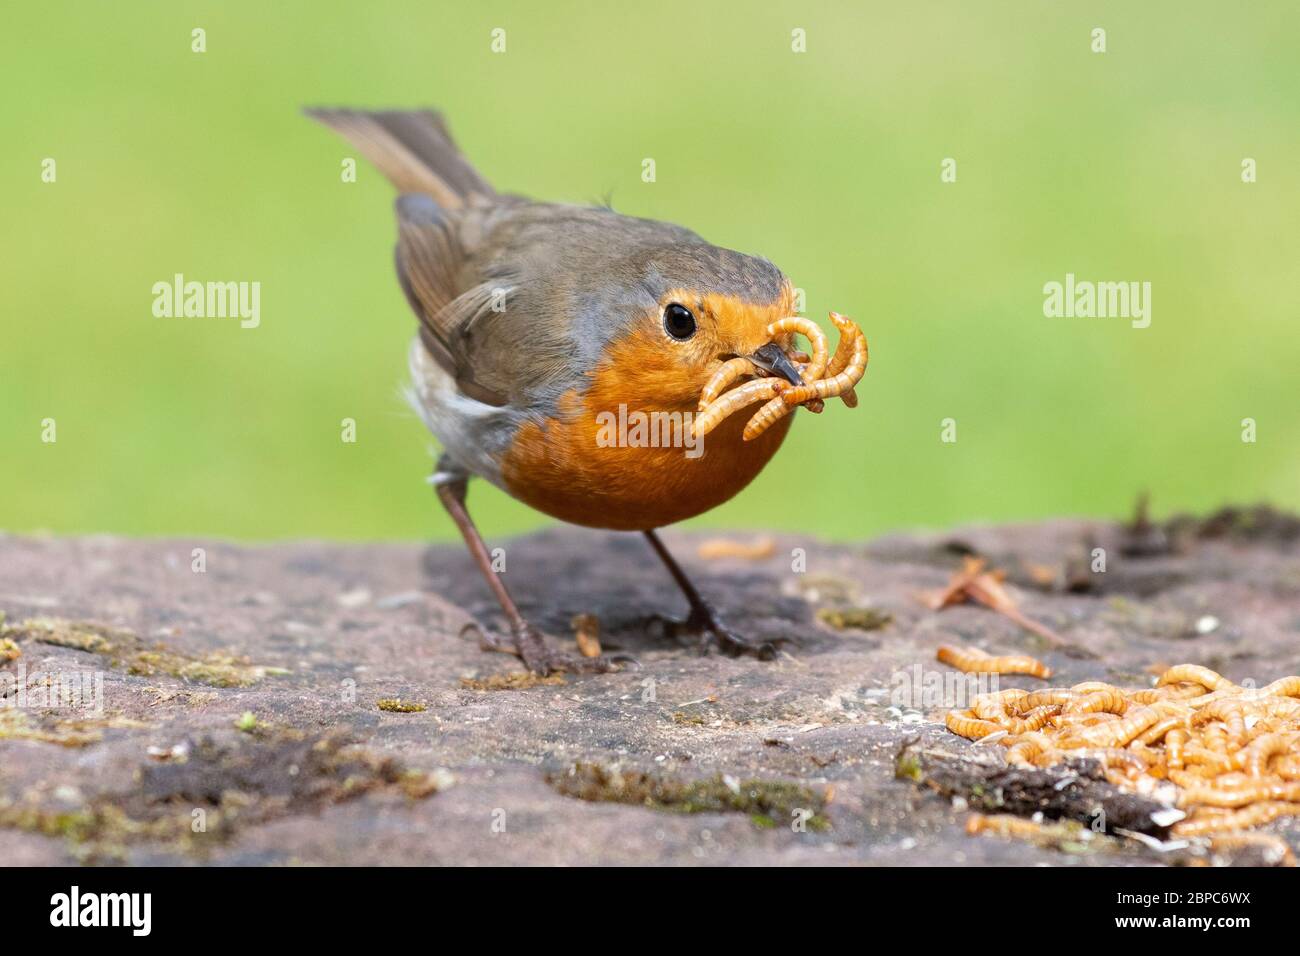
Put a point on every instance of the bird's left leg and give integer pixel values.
(451, 484)
(703, 620)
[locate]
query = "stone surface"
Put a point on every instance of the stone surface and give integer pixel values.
(353, 625)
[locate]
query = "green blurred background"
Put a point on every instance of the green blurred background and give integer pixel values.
(1117, 166)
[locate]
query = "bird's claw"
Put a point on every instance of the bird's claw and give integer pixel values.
(708, 628)
(529, 645)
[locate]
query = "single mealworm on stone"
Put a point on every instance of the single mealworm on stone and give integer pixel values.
(586, 631)
(974, 661)
(962, 658)
(728, 372)
(721, 548)
(1002, 824)
(737, 398)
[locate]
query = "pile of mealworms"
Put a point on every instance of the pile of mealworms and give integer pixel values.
(1227, 756)
(1273, 850)
(824, 376)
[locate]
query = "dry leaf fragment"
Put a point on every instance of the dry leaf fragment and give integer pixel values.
(973, 583)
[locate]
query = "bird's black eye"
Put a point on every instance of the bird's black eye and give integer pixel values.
(678, 322)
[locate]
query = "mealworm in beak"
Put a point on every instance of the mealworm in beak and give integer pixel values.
(730, 371)
(734, 400)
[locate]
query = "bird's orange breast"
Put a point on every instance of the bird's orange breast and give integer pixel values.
(619, 456)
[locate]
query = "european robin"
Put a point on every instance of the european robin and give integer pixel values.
(541, 326)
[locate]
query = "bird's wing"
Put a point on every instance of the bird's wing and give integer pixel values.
(516, 298)
(449, 292)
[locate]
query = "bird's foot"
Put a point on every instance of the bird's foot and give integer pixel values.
(529, 645)
(704, 624)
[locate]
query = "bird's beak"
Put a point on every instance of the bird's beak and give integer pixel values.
(772, 358)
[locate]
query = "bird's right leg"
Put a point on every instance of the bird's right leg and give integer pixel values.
(529, 645)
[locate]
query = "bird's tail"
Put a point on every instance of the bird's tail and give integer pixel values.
(413, 148)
